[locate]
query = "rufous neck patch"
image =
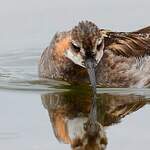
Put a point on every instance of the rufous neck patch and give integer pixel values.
(62, 45)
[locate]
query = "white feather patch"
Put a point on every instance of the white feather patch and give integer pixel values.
(76, 58)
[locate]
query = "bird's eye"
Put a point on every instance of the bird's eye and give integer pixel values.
(99, 45)
(75, 47)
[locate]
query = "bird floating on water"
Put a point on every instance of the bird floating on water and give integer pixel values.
(115, 59)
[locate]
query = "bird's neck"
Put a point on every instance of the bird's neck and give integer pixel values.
(65, 69)
(61, 67)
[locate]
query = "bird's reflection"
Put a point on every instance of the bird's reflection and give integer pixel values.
(76, 121)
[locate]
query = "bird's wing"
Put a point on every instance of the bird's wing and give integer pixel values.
(144, 30)
(129, 44)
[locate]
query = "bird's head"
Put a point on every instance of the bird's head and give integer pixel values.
(87, 42)
(86, 45)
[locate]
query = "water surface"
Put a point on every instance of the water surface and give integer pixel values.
(47, 114)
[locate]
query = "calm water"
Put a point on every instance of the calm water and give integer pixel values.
(37, 114)
(51, 115)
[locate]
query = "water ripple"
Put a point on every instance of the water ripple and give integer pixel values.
(19, 71)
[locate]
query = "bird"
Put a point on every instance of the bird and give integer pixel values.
(115, 59)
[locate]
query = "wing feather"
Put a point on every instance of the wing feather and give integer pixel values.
(129, 44)
(144, 30)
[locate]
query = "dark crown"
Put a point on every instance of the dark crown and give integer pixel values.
(86, 33)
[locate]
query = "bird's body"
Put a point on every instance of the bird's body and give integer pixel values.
(122, 58)
(118, 71)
